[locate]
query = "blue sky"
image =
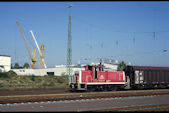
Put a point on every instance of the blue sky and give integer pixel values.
(116, 30)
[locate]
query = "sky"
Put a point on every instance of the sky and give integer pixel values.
(136, 32)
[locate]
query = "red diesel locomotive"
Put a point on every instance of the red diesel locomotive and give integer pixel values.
(94, 77)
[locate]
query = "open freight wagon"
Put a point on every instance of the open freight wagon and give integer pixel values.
(147, 77)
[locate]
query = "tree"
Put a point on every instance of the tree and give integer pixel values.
(26, 65)
(122, 65)
(16, 66)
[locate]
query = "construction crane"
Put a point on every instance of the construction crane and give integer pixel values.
(41, 51)
(42, 57)
(32, 56)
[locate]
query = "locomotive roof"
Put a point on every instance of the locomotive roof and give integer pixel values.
(148, 67)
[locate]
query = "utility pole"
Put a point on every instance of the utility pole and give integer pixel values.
(69, 49)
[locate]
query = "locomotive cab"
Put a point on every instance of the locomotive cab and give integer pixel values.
(95, 78)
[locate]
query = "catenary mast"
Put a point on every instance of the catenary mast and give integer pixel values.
(69, 49)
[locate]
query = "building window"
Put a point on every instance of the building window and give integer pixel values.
(1, 66)
(50, 73)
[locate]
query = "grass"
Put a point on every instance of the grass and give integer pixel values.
(9, 80)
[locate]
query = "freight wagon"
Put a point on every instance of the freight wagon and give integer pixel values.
(140, 77)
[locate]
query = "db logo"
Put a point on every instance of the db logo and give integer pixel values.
(101, 77)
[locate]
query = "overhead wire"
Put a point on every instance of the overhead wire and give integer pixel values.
(150, 34)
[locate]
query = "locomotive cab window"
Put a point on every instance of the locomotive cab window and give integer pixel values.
(101, 69)
(95, 72)
(90, 68)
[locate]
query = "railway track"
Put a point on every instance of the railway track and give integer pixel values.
(32, 91)
(10, 99)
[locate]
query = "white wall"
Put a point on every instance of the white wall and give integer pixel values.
(23, 71)
(58, 71)
(5, 63)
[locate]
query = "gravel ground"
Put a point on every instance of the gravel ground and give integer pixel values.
(135, 103)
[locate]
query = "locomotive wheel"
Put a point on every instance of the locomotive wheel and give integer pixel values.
(112, 88)
(90, 89)
(102, 88)
(109, 88)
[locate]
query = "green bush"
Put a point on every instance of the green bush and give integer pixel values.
(61, 79)
(7, 74)
(11, 74)
(122, 65)
(3, 75)
(38, 80)
(9, 80)
(33, 78)
(51, 84)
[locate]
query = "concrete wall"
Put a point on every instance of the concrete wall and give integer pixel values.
(5, 63)
(23, 71)
(58, 71)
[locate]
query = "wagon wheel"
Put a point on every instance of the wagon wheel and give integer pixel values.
(115, 88)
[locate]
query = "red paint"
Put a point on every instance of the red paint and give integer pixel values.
(88, 76)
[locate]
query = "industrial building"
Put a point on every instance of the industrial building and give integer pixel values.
(5, 63)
